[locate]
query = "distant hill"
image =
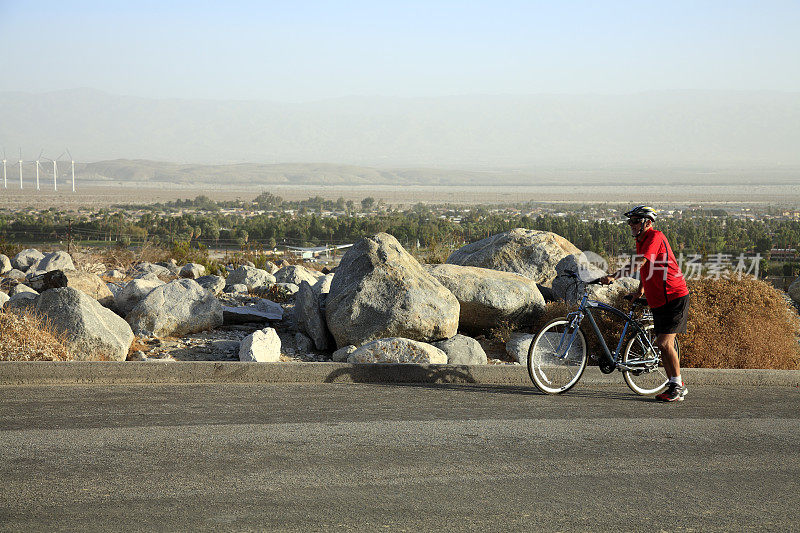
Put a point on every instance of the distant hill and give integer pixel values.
(255, 174)
(606, 135)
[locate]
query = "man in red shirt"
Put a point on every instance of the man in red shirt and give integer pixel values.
(662, 283)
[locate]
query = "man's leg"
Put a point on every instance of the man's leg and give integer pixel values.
(669, 356)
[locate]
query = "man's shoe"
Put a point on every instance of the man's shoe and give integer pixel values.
(674, 393)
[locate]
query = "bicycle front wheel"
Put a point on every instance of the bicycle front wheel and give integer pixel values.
(647, 378)
(557, 357)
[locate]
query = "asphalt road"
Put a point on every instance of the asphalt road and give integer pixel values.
(398, 458)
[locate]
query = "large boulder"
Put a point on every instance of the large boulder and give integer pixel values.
(263, 346)
(489, 298)
(177, 308)
(570, 289)
(531, 253)
(295, 274)
(462, 350)
(249, 276)
(309, 316)
(3, 299)
(55, 261)
(134, 292)
(398, 350)
(192, 270)
(380, 290)
(20, 288)
(90, 284)
(5, 264)
(90, 331)
(27, 259)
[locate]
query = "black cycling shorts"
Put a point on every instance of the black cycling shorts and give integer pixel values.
(672, 316)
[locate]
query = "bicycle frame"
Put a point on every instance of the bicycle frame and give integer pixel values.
(584, 310)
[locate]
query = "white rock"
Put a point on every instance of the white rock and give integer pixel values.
(398, 350)
(263, 346)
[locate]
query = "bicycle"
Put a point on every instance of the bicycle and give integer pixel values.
(557, 355)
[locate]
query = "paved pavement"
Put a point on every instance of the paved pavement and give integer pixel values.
(329, 457)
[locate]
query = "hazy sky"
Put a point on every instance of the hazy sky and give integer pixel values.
(299, 51)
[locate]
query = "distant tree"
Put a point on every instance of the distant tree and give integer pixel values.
(368, 203)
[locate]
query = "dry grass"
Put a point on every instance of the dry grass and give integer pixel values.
(30, 337)
(742, 323)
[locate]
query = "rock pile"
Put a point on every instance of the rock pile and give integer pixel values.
(380, 305)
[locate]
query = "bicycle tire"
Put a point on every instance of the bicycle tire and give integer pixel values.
(646, 383)
(550, 373)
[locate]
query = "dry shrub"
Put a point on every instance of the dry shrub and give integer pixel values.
(740, 323)
(30, 337)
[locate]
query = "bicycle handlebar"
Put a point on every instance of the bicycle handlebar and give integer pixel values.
(573, 274)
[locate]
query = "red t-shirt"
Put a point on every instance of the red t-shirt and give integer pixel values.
(661, 277)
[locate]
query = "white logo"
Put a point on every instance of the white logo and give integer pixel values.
(591, 266)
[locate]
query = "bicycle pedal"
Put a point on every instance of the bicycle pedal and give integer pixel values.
(606, 368)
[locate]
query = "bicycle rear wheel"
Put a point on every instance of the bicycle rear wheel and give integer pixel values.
(555, 364)
(651, 379)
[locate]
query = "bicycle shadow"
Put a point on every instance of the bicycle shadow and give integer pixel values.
(455, 378)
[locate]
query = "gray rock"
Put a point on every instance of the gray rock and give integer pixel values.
(56, 261)
(90, 284)
(531, 253)
(380, 290)
(249, 276)
(27, 259)
(215, 284)
(302, 343)
(115, 289)
(178, 308)
(192, 270)
(323, 285)
(5, 264)
(150, 268)
(489, 298)
(91, 332)
(114, 274)
(295, 274)
(170, 265)
(3, 299)
(149, 276)
(518, 345)
(20, 288)
(262, 311)
(341, 355)
(263, 346)
(309, 316)
(134, 292)
(15, 273)
(462, 350)
(398, 350)
(20, 300)
(236, 288)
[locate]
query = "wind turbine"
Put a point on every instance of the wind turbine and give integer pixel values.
(37, 169)
(20, 168)
(55, 171)
(73, 168)
(5, 180)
